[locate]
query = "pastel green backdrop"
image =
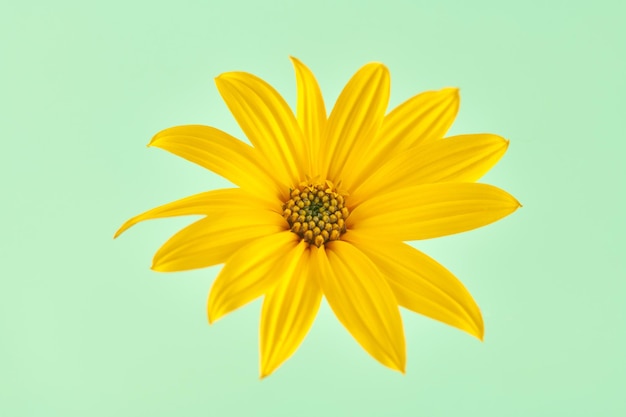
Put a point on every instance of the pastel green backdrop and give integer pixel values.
(87, 329)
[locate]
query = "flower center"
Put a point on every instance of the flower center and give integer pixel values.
(316, 213)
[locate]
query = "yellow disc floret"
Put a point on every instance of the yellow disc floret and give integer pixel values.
(316, 213)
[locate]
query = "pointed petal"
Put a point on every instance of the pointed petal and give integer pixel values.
(268, 122)
(432, 210)
(210, 203)
(421, 284)
(213, 240)
(311, 111)
(362, 301)
(289, 310)
(221, 153)
(253, 271)
(422, 119)
(425, 117)
(463, 158)
(357, 114)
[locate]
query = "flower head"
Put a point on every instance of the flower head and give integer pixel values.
(324, 204)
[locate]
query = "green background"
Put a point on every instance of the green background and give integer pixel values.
(87, 329)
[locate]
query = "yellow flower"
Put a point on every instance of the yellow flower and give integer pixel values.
(324, 204)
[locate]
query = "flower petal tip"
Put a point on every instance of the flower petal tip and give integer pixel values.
(269, 368)
(400, 367)
(478, 332)
(213, 316)
(451, 95)
(265, 371)
(398, 364)
(220, 79)
(379, 66)
(480, 335)
(159, 267)
(127, 225)
(225, 77)
(515, 202)
(227, 80)
(154, 139)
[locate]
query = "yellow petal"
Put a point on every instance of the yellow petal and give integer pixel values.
(213, 240)
(362, 301)
(252, 271)
(268, 122)
(358, 113)
(422, 119)
(289, 310)
(311, 112)
(431, 210)
(463, 158)
(421, 284)
(210, 203)
(221, 153)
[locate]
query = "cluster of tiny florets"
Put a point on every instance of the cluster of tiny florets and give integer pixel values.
(316, 213)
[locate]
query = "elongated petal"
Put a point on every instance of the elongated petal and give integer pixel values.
(289, 310)
(268, 122)
(421, 284)
(432, 210)
(210, 203)
(357, 114)
(362, 301)
(213, 240)
(311, 112)
(422, 119)
(221, 153)
(253, 271)
(463, 158)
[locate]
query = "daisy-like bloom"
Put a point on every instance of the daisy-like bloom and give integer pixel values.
(324, 205)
